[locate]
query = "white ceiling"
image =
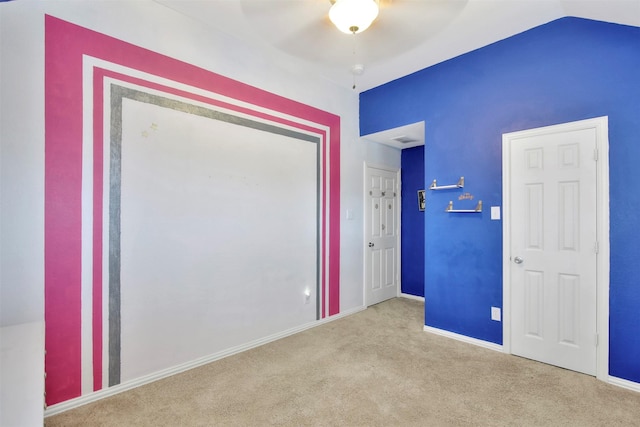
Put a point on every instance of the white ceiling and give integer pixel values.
(402, 137)
(407, 36)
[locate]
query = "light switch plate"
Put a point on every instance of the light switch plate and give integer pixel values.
(495, 213)
(496, 313)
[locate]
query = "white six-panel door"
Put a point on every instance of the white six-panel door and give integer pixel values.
(381, 235)
(553, 248)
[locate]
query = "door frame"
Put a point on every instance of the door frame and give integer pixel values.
(600, 124)
(365, 239)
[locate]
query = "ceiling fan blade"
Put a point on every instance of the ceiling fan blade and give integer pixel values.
(278, 19)
(412, 21)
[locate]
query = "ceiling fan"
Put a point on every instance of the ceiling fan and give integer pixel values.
(309, 30)
(304, 29)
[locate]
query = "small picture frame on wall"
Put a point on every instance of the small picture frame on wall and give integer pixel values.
(421, 200)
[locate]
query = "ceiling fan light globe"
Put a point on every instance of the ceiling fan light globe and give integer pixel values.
(353, 16)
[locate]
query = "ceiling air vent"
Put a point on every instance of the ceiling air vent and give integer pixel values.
(404, 139)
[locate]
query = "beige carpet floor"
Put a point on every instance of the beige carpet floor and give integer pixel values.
(374, 368)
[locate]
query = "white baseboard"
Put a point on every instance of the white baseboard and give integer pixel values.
(630, 385)
(128, 385)
(409, 296)
(464, 338)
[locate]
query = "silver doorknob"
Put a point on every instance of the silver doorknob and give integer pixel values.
(518, 260)
(370, 244)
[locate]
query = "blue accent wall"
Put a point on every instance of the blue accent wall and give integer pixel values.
(412, 234)
(569, 69)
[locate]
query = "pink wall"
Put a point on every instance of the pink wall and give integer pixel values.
(65, 106)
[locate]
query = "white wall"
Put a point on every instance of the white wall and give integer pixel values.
(21, 165)
(157, 28)
(21, 374)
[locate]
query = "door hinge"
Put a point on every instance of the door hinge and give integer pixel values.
(596, 340)
(595, 154)
(596, 247)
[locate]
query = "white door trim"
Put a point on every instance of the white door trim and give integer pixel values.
(600, 124)
(365, 241)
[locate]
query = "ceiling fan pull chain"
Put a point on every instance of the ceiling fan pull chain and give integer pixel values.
(355, 59)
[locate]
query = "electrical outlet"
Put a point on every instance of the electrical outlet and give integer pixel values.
(496, 314)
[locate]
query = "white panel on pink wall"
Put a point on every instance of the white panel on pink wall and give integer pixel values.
(219, 230)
